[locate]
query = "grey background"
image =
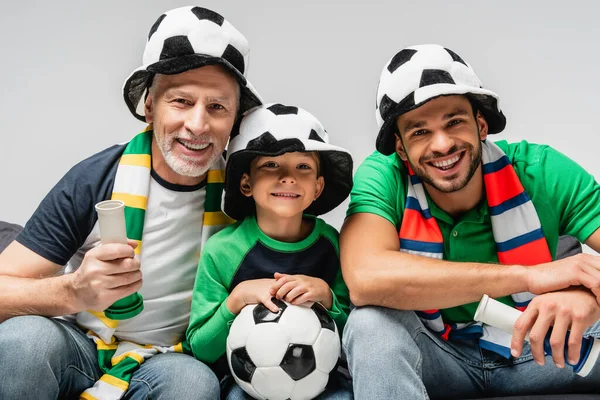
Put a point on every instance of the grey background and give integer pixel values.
(63, 64)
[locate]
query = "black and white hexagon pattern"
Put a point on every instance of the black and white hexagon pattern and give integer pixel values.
(280, 122)
(418, 73)
(187, 30)
(284, 355)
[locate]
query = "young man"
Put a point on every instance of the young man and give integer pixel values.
(190, 90)
(439, 216)
(281, 173)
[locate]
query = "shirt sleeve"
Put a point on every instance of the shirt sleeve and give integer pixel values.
(575, 193)
(376, 188)
(210, 319)
(340, 306)
(66, 216)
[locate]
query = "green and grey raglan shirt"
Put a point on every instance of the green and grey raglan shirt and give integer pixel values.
(241, 252)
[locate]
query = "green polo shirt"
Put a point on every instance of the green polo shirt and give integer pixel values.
(565, 196)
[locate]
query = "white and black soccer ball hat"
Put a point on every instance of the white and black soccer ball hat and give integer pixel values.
(421, 73)
(275, 129)
(186, 38)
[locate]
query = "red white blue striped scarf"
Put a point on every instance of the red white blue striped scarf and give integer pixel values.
(517, 232)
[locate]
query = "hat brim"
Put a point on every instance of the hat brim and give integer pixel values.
(335, 167)
(485, 100)
(139, 81)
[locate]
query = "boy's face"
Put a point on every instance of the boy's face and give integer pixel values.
(283, 186)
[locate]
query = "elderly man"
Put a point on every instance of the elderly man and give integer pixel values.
(190, 89)
(440, 216)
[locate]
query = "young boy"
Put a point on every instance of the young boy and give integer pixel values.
(281, 172)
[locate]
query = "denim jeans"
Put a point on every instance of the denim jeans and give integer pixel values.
(45, 358)
(391, 355)
(338, 390)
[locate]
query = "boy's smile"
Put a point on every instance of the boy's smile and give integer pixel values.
(283, 186)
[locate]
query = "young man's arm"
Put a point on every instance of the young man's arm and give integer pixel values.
(28, 285)
(377, 273)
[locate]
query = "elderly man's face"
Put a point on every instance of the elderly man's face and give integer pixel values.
(192, 115)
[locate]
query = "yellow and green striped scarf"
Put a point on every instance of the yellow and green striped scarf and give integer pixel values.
(119, 359)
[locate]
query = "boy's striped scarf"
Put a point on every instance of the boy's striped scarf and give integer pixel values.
(517, 232)
(119, 359)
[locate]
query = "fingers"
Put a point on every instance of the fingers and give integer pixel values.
(124, 279)
(574, 341)
(132, 243)
(520, 329)
(294, 293)
(285, 289)
(122, 266)
(279, 275)
(538, 333)
(276, 287)
(126, 290)
(557, 339)
(112, 251)
(590, 277)
(302, 299)
(269, 304)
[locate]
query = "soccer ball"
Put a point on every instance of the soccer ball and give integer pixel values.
(284, 355)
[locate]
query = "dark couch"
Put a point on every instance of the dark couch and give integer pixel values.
(8, 233)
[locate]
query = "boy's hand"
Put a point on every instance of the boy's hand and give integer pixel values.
(253, 291)
(298, 289)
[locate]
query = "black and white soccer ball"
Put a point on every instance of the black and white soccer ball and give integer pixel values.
(284, 355)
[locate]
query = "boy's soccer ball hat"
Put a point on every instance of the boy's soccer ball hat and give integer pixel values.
(421, 73)
(275, 129)
(187, 38)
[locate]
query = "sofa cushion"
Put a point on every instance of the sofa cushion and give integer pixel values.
(8, 233)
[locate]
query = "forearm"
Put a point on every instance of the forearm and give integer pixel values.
(410, 282)
(30, 296)
(208, 340)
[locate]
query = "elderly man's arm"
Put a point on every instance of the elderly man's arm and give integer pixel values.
(28, 285)
(377, 273)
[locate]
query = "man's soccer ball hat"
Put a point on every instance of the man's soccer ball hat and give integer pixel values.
(421, 73)
(186, 38)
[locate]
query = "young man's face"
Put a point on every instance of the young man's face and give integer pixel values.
(192, 115)
(441, 140)
(283, 186)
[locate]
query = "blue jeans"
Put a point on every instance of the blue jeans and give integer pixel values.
(391, 355)
(338, 390)
(44, 358)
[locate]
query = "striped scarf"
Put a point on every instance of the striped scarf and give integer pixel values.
(119, 359)
(517, 233)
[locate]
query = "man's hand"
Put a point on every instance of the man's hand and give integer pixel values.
(253, 291)
(108, 273)
(578, 270)
(572, 309)
(298, 289)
